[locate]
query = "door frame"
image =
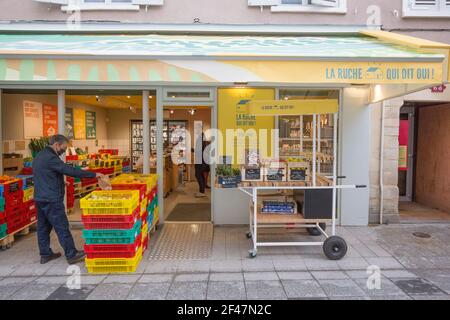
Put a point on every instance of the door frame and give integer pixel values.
(411, 112)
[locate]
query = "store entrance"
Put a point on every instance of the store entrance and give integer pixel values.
(187, 179)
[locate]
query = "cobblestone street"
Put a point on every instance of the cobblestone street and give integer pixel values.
(411, 268)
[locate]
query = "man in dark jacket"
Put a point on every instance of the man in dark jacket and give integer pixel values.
(49, 190)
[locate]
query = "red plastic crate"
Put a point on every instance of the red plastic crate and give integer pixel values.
(27, 171)
(29, 206)
(102, 251)
(125, 163)
(141, 187)
(113, 152)
(145, 243)
(111, 221)
(13, 199)
(17, 221)
(12, 187)
(72, 157)
(13, 211)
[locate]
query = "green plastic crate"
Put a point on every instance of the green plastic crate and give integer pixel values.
(3, 230)
(2, 204)
(112, 236)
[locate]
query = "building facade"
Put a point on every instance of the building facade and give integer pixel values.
(428, 19)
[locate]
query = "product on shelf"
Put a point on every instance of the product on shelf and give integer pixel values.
(279, 207)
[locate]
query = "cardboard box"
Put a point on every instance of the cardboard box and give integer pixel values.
(12, 162)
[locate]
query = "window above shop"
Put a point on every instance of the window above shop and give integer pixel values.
(315, 6)
(94, 5)
(426, 8)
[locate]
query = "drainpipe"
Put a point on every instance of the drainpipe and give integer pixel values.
(382, 162)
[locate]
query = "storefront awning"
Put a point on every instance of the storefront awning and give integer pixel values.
(370, 58)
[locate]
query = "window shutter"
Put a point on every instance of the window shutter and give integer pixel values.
(325, 3)
(54, 1)
(148, 2)
(264, 2)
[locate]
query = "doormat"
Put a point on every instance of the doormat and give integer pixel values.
(191, 212)
(183, 241)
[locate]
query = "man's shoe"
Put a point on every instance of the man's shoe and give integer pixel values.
(46, 259)
(79, 256)
(200, 195)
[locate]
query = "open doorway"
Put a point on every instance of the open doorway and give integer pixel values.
(423, 175)
(187, 180)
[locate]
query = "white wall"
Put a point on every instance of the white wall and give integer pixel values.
(12, 120)
(354, 156)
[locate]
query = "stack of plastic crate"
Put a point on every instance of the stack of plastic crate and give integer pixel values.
(112, 231)
(29, 207)
(127, 182)
(11, 206)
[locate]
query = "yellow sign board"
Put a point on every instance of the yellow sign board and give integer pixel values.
(293, 107)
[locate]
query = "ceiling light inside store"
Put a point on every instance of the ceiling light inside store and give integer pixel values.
(171, 111)
(241, 84)
(128, 97)
(286, 98)
(132, 109)
(150, 97)
(192, 112)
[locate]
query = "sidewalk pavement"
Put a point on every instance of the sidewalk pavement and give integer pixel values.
(411, 268)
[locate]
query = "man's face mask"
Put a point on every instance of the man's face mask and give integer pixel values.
(62, 150)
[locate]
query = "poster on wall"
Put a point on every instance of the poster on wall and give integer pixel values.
(32, 119)
(91, 125)
(69, 123)
(79, 123)
(50, 117)
(403, 145)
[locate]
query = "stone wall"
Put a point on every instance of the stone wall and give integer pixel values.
(390, 162)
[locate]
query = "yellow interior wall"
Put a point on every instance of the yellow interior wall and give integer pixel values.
(228, 100)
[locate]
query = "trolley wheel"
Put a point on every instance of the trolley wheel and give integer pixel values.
(252, 253)
(249, 235)
(335, 248)
(316, 232)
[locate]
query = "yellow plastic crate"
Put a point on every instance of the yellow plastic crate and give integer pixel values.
(151, 180)
(144, 204)
(114, 262)
(114, 265)
(28, 194)
(144, 231)
(111, 202)
(108, 163)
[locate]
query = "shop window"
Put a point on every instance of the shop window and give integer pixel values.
(85, 5)
(426, 8)
(317, 6)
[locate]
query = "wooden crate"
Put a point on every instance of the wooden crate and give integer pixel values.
(296, 175)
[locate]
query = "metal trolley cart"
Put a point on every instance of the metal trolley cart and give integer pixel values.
(319, 191)
(334, 247)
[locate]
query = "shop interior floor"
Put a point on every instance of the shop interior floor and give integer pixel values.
(413, 211)
(191, 212)
(184, 194)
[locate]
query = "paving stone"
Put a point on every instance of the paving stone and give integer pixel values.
(385, 263)
(17, 280)
(121, 279)
(51, 280)
(289, 265)
(149, 291)
(226, 276)
(64, 293)
(331, 275)
(34, 292)
(226, 266)
(292, 275)
(303, 289)
(6, 270)
(398, 274)
(350, 298)
(257, 265)
(155, 278)
(321, 264)
(387, 288)
(162, 267)
(116, 291)
(421, 297)
(6, 291)
(226, 290)
(271, 290)
(187, 291)
(341, 288)
(418, 287)
(91, 280)
(416, 262)
(255, 276)
(194, 266)
(353, 264)
(192, 277)
(31, 270)
(357, 274)
(439, 277)
(390, 298)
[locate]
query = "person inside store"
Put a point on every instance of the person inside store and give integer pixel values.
(49, 189)
(202, 169)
